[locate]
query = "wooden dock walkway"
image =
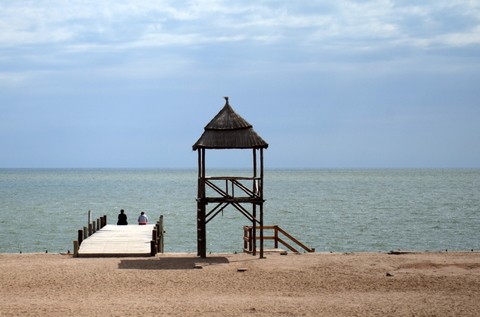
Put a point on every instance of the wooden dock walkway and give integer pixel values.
(118, 241)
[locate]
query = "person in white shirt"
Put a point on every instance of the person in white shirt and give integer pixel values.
(142, 219)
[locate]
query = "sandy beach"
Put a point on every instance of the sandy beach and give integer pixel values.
(320, 284)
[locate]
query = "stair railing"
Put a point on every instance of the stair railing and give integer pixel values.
(248, 239)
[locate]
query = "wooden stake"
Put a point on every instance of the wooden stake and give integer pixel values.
(75, 248)
(80, 237)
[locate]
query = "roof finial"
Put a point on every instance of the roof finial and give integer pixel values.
(226, 100)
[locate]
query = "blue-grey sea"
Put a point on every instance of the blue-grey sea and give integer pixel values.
(336, 210)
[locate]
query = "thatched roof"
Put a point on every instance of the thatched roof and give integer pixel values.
(228, 130)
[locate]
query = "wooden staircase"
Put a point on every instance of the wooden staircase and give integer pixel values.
(280, 236)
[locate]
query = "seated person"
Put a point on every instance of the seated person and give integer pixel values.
(122, 219)
(142, 219)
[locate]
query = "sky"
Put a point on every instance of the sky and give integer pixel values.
(328, 84)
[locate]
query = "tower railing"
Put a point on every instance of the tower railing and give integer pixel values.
(234, 187)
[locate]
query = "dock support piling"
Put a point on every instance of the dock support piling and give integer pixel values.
(160, 235)
(153, 248)
(75, 248)
(80, 237)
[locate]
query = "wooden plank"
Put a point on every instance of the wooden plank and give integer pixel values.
(112, 240)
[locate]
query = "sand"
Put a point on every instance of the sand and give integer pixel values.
(360, 284)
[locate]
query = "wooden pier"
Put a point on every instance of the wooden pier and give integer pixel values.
(113, 240)
(119, 241)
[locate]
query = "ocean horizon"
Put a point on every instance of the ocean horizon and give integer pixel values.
(331, 210)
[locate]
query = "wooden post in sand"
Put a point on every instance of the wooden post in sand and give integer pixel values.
(153, 249)
(250, 239)
(75, 248)
(160, 232)
(275, 238)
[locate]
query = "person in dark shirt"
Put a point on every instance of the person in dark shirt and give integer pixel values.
(122, 219)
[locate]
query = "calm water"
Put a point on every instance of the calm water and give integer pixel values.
(331, 210)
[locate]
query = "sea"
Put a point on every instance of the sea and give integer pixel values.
(331, 210)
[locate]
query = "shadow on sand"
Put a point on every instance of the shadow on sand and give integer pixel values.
(170, 263)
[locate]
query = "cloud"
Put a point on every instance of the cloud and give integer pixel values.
(118, 23)
(136, 38)
(342, 75)
(305, 34)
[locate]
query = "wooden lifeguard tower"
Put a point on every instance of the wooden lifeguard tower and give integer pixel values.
(228, 130)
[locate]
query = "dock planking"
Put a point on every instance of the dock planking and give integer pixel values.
(118, 241)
